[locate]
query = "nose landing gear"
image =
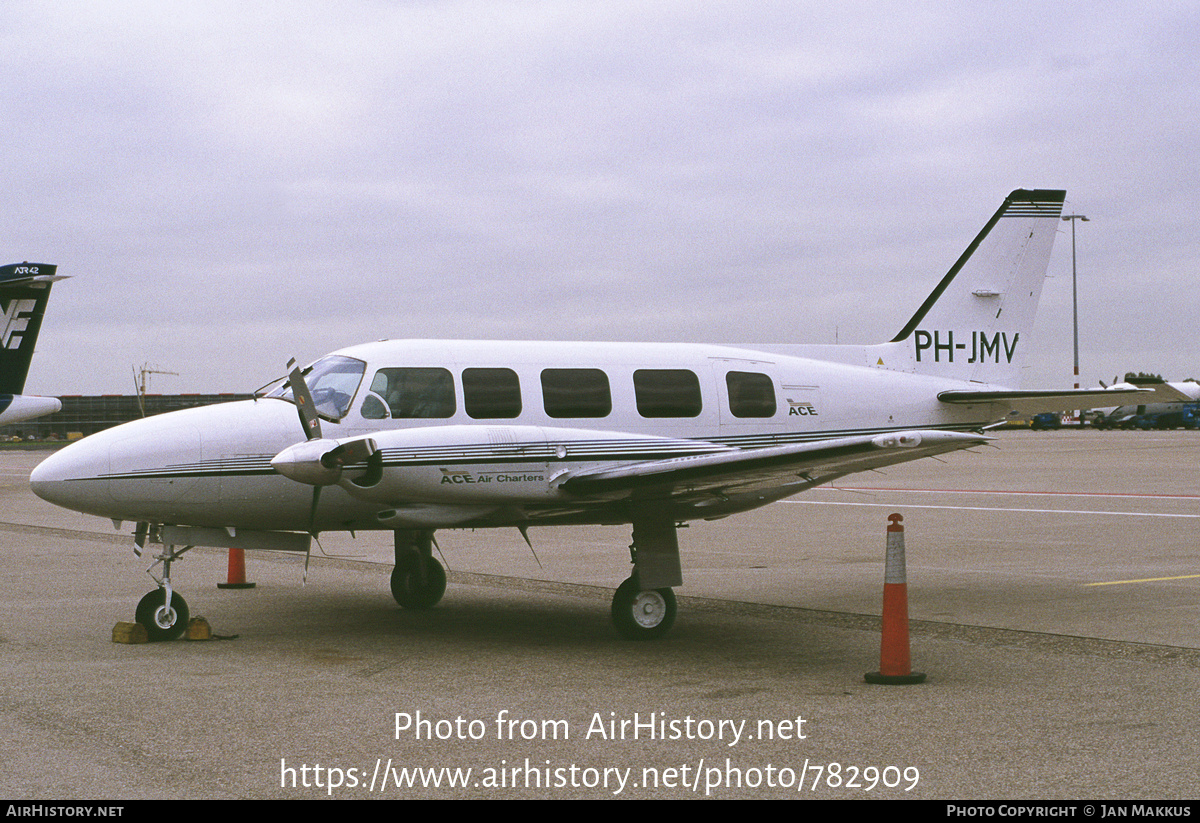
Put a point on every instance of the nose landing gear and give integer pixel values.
(162, 612)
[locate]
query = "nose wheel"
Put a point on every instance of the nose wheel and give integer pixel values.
(163, 620)
(642, 615)
(163, 612)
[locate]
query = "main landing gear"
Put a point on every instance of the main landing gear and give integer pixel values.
(642, 614)
(418, 580)
(643, 607)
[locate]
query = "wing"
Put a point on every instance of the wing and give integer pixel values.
(782, 470)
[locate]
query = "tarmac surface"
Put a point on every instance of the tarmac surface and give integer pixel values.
(1053, 585)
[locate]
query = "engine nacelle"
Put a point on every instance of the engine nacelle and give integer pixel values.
(491, 464)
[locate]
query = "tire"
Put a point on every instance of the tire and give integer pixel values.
(162, 623)
(408, 591)
(642, 615)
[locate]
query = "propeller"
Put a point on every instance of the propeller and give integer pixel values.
(317, 462)
(309, 419)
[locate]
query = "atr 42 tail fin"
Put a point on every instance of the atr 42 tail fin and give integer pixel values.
(975, 325)
(24, 291)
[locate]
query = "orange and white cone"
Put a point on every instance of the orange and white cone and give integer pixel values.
(235, 577)
(895, 665)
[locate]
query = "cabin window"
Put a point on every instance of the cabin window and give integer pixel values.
(416, 392)
(667, 392)
(750, 394)
(576, 393)
(491, 393)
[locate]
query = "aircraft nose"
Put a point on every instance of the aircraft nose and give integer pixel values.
(68, 477)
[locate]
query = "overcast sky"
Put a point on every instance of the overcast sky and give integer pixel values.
(230, 184)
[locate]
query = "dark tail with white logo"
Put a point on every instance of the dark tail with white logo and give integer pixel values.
(24, 290)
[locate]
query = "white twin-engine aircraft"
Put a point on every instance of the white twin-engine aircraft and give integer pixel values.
(417, 435)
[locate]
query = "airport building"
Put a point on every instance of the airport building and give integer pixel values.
(81, 415)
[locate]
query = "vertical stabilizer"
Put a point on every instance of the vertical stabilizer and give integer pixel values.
(975, 325)
(24, 290)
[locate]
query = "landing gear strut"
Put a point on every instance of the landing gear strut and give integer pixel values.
(418, 580)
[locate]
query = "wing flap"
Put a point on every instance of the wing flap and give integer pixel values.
(802, 464)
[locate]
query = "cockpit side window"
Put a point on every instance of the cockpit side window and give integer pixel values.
(416, 392)
(332, 381)
(373, 408)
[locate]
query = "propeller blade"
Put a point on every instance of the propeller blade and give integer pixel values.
(304, 402)
(312, 511)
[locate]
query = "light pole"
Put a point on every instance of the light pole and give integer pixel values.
(1075, 294)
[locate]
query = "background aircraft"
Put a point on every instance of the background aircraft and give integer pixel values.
(24, 291)
(418, 435)
(1162, 415)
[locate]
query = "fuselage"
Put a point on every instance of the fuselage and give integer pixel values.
(20, 407)
(474, 433)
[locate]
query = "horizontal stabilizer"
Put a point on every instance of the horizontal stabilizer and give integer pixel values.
(1033, 402)
(16, 275)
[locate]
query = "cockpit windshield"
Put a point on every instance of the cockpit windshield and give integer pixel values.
(333, 381)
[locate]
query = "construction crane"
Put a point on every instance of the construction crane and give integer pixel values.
(141, 381)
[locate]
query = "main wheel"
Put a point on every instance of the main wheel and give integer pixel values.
(161, 622)
(410, 592)
(642, 615)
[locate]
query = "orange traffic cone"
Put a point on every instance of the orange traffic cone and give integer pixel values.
(235, 578)
(895, 666)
